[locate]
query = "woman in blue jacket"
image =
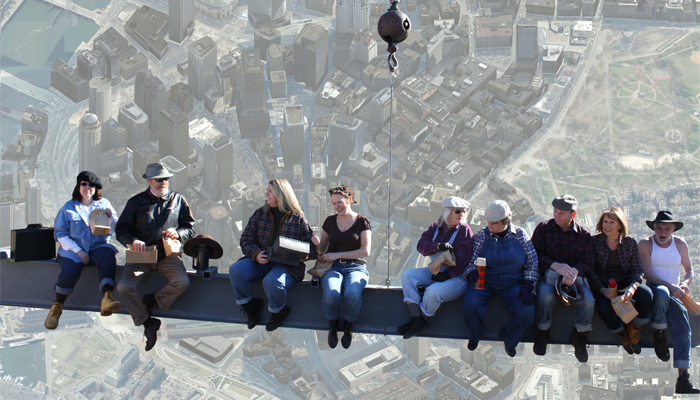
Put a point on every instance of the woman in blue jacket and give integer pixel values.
(79, 247)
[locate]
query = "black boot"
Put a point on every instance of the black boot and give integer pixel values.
(347, 336)
(333, 333)
(541, 341)
(404, 328)
(660, 346)
(277, 319)
(252, 310)
(418, 325)
(684, 386)
(580, 342)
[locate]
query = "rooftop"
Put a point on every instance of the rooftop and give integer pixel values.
(203, 46)
(294, 115)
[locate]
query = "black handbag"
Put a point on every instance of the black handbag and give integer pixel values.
(33, 243)
(288, 251)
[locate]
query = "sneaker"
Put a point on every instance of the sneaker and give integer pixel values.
(54, 314)
(149, 301)
(252, 310)
(580, 342)
(660, 346)
(109, 305)
(418, 325)
(625, 342)
(541, 341)
(635, 335)
(684, 386)
(151, 333)
(277, 319)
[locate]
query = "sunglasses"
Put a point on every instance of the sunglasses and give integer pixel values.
(161, 179)
(458, 212)
(92, 185)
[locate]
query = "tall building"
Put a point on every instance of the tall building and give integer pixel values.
(89, 65)
(352, 16)
(149, 28)
(32, 202)
(253, 114)
(181, 95)
(156, 100)
(173, 134)
(90, 144)
(292, 138)
(100, 100)
(178, 182)
(268, 12)
(526, 37)
(67, 81)
(140, 87)
(417, 349)
(341, 136)
(311, 56)
(201, 59)
(218, 165)
(136, 123)
(144, 154)
(227, 74)
(180, 19)
(264, 37)
(7, 222)
(114, 135)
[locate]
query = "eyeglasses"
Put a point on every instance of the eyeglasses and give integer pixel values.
(458, 212)
(92, 185)
(161, 179)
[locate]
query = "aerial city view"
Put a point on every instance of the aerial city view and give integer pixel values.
(503, 119)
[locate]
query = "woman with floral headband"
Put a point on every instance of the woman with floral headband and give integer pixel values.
(347, 236)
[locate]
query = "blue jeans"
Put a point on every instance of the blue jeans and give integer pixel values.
(353, 279)
(507, 287)
(547, 299)
(275, 277)
(666, 308)
(102, 257)
(642, 303)
(435, 294)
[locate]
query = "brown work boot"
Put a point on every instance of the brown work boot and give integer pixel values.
(109, 305)
(625, 342)
(634, 332)
(54, 314)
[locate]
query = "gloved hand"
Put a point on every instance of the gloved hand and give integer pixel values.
(445, 247)
(527, 298)
(440, 276)
(472, 276)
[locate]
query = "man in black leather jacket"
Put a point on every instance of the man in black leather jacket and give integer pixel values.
(148, 217)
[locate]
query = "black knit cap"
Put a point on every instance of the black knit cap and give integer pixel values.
(87, 176)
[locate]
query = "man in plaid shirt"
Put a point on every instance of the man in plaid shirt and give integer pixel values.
(562, 246)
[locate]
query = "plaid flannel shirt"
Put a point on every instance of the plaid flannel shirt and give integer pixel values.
(570, 247)
(530, 267)
(629, 256)
(256, 236)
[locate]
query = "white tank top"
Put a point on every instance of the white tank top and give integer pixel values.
(666, 262)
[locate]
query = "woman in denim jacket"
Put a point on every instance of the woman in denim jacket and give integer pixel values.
(79, 247)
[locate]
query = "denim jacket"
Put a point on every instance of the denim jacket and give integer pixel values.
(73, 222)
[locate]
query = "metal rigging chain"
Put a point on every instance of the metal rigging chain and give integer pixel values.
(388, 215)
(393, 27)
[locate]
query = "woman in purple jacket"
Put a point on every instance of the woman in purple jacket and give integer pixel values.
(449, 233)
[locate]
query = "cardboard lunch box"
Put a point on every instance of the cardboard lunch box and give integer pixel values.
(100, 223)
(173, 247)
(150, 256)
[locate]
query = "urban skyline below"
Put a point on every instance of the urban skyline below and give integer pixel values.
(519, 100)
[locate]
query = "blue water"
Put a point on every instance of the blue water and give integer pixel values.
(36, 35)
(27, 361)
(92, 5)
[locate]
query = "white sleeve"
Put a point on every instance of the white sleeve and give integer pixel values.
(69, 244)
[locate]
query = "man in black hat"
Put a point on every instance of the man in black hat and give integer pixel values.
(148, 217)
(561, 244)
(662, 256)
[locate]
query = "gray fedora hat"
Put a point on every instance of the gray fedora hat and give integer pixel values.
(155, 171)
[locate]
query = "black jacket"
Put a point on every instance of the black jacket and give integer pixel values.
(146, 216)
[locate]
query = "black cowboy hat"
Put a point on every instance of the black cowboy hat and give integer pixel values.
(665, 216)
(204, 240)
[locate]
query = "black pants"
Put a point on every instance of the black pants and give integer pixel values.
(642, 303)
